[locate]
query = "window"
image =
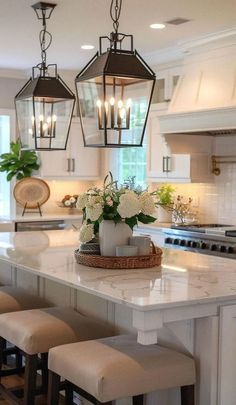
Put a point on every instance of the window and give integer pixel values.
(6, 120)
(129, 162)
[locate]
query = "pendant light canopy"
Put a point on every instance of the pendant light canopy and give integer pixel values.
(114, 91)
(44, 106)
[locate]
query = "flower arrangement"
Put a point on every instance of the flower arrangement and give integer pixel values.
(115, 204)
(69, 201)
(183, 211)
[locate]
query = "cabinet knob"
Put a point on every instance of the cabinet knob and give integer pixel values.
(73, 165)
(68, 165)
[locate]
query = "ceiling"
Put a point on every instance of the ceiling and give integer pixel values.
(77, 22)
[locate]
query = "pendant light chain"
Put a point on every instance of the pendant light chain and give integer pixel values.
(45, 40)
(115, 11)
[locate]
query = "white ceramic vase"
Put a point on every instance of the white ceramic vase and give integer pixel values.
(112, 235)
(163, 215)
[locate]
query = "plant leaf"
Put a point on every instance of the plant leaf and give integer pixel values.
(132, 221)
(145, 219)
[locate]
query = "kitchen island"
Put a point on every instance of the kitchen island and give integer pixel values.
(188, 303)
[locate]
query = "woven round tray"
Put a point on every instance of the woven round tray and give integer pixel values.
(121, 262)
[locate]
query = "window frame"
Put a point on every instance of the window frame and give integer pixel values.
(12, 114)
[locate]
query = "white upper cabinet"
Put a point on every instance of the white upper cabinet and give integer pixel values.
(166, 82)
(75, 162)
(165, 166)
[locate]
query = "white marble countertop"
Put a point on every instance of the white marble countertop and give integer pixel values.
(183, 278)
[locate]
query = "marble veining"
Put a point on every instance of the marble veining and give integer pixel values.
(183, 278)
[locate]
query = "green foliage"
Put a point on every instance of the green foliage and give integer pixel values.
(165, 195)
(18, 162)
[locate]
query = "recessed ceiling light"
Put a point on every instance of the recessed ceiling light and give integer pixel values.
(157, 26)
(87, 47)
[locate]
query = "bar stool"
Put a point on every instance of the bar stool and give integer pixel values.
(16, 299)
(34, 332)
(104, 370)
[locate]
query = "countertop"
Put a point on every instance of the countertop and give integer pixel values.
(184, 277)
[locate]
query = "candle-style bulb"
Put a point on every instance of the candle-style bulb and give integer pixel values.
(99, 107)
(122, 113)
(112, 101)
(41, 118)
(120, 104)
(129, 103)
(54, 117)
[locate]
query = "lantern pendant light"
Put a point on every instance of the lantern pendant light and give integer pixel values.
(114, 91)
(44, 106)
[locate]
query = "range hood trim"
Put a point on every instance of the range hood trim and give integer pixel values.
(206, 122)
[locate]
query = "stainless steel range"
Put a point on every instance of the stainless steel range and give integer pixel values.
(212, 239)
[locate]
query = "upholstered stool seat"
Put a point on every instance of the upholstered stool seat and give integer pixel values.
(17, 299)
(117, 367)
(35, 331)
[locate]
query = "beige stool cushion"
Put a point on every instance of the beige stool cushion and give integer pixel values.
(16, 299)
(119, 367)
(36, 331)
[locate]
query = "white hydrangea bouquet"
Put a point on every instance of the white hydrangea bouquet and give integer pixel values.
(114, 204)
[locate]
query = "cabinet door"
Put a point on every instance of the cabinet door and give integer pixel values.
(55, 164)
(157, 149)
(84, 162)
(178, 167)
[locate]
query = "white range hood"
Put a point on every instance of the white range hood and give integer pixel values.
(204, 102)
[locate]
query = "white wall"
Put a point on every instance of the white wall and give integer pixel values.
(9, 87)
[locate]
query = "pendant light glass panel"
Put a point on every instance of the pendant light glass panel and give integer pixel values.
(114, 110)
(44, 123)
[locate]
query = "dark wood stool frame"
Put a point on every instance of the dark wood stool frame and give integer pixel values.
(54, 387)
(26, 394)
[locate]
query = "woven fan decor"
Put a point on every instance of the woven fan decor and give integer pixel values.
(121, 262)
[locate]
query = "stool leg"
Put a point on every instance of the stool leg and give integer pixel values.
(2, 347)
(53, 388)
(187, 395)
(19, 363)
(69, 394)
(138, 400)
(44, 360)
(31, 362)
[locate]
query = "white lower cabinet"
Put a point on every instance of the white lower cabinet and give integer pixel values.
(75, 162)
(227, 356)
(74, 224)
(164, 166)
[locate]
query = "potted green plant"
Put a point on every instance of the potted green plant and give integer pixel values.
(165, 202)
(18, 162)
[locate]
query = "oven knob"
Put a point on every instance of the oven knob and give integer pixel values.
(189, 243)
(203, 245)
(182, 242)
(223, 248)
(169, 240)
(194, 244)
(214, 247)
(230, 249)
(176, 241)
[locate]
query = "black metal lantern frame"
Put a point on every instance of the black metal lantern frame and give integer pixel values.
(44, 106)
(114, 92)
